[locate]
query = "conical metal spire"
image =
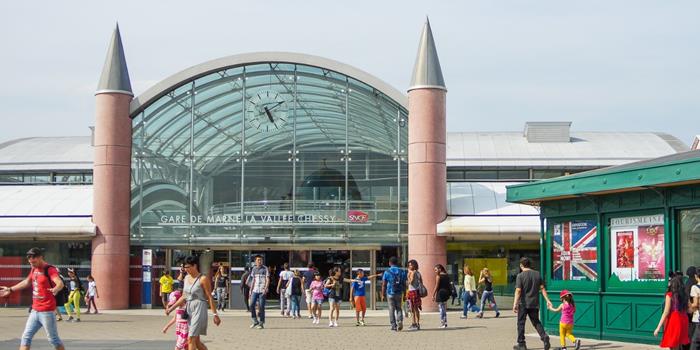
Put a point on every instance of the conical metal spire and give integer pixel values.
(427, 72)
(115, 75)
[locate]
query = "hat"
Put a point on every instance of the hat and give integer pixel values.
(36, 251)
(564, 292)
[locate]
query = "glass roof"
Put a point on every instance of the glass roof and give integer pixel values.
(266, 108)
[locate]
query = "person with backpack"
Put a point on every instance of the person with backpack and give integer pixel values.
(393, 286)
(76, 288)
(334, 285)
(416, 291)
(45, 283)
(293, 290)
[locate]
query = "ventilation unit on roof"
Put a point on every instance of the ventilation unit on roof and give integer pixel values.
(547, 131)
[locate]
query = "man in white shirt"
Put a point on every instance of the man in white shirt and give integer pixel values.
(259, 282)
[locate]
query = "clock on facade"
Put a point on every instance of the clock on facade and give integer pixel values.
(267, 111)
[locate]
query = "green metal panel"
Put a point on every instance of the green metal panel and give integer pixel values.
(631, 318)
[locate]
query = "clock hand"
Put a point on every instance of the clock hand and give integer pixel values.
(269, 115)
(276, 105)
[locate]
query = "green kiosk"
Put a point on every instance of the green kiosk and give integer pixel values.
(611, 236)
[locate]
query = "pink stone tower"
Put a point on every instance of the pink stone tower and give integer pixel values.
(112, 180)
(426, 162)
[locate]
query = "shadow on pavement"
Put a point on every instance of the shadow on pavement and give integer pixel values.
(106, 344)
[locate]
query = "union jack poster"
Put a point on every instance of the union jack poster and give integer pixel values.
(574, 250)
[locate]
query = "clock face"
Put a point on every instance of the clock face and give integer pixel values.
(267, 111)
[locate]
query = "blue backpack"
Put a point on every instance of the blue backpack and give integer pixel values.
(398, 281)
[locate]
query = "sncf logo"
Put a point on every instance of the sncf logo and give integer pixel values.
(358, 216)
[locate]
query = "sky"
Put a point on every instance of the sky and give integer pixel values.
(603, 65)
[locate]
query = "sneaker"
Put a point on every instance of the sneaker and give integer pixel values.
(393, 328)
(357, 324)
(70, 318)
(77, 320)
(400, 326)
(498, 314)
(59, 319)
(330, 324)
(463, 317)
(362, 322)
(413, 327)
(444, 326)
(577, 344)
(311, 317)
(335, 323)
(255, 324)
(418, 326)
(480, 315)
(519, 347)
(260, 326)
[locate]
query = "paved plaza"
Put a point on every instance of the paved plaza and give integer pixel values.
(141, 330)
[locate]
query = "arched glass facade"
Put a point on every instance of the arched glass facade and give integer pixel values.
(270, 154)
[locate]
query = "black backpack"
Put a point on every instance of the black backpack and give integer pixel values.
(62, 295)
(398, 281)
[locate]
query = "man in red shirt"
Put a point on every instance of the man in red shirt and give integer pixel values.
(43, 300)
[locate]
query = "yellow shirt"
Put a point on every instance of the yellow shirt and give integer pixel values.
(166, 284)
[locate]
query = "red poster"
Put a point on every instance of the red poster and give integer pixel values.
(651, 252)
(625, 249)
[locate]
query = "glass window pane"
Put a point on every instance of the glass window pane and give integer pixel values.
(690, 237)
(481, 175)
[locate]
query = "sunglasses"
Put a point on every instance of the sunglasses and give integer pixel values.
(187, 266)
(32, 256)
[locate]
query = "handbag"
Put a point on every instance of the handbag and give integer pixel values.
(422, 291)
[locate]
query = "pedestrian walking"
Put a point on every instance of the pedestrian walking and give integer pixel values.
(245, 288)
(166, 287)
(393, 286)
(416, 291)
(442, 292)
(76, 290)
(691, 283)
(674, 319)
(282, 283)
(566, 322)
(469, 293)
(181, 327)
(196, 297)
(316, 288)
(358, 296)
(334, 284)
(45, 283)
(293, 290)
(487, 297)
(526, 304)
(694, 306)
(259, 282)
(221, 287)
(453, 293)
(91, 294)
(307, 278)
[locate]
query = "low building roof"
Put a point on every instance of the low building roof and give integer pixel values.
(46, 212)
(47, 153)
(672, 170)
(585, 149)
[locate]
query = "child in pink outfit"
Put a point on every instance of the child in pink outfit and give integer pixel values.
(566, 322)
(181, 327)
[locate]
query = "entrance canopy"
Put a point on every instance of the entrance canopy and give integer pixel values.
(46, 212)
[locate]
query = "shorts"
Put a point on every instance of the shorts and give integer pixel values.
(309, 296)
(360, 303)
(334, 300)
(318, 302)
(414, 299)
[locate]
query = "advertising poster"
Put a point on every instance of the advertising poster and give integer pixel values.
(638, 250)
(625, 249)
(575, 250)
(651, 252)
